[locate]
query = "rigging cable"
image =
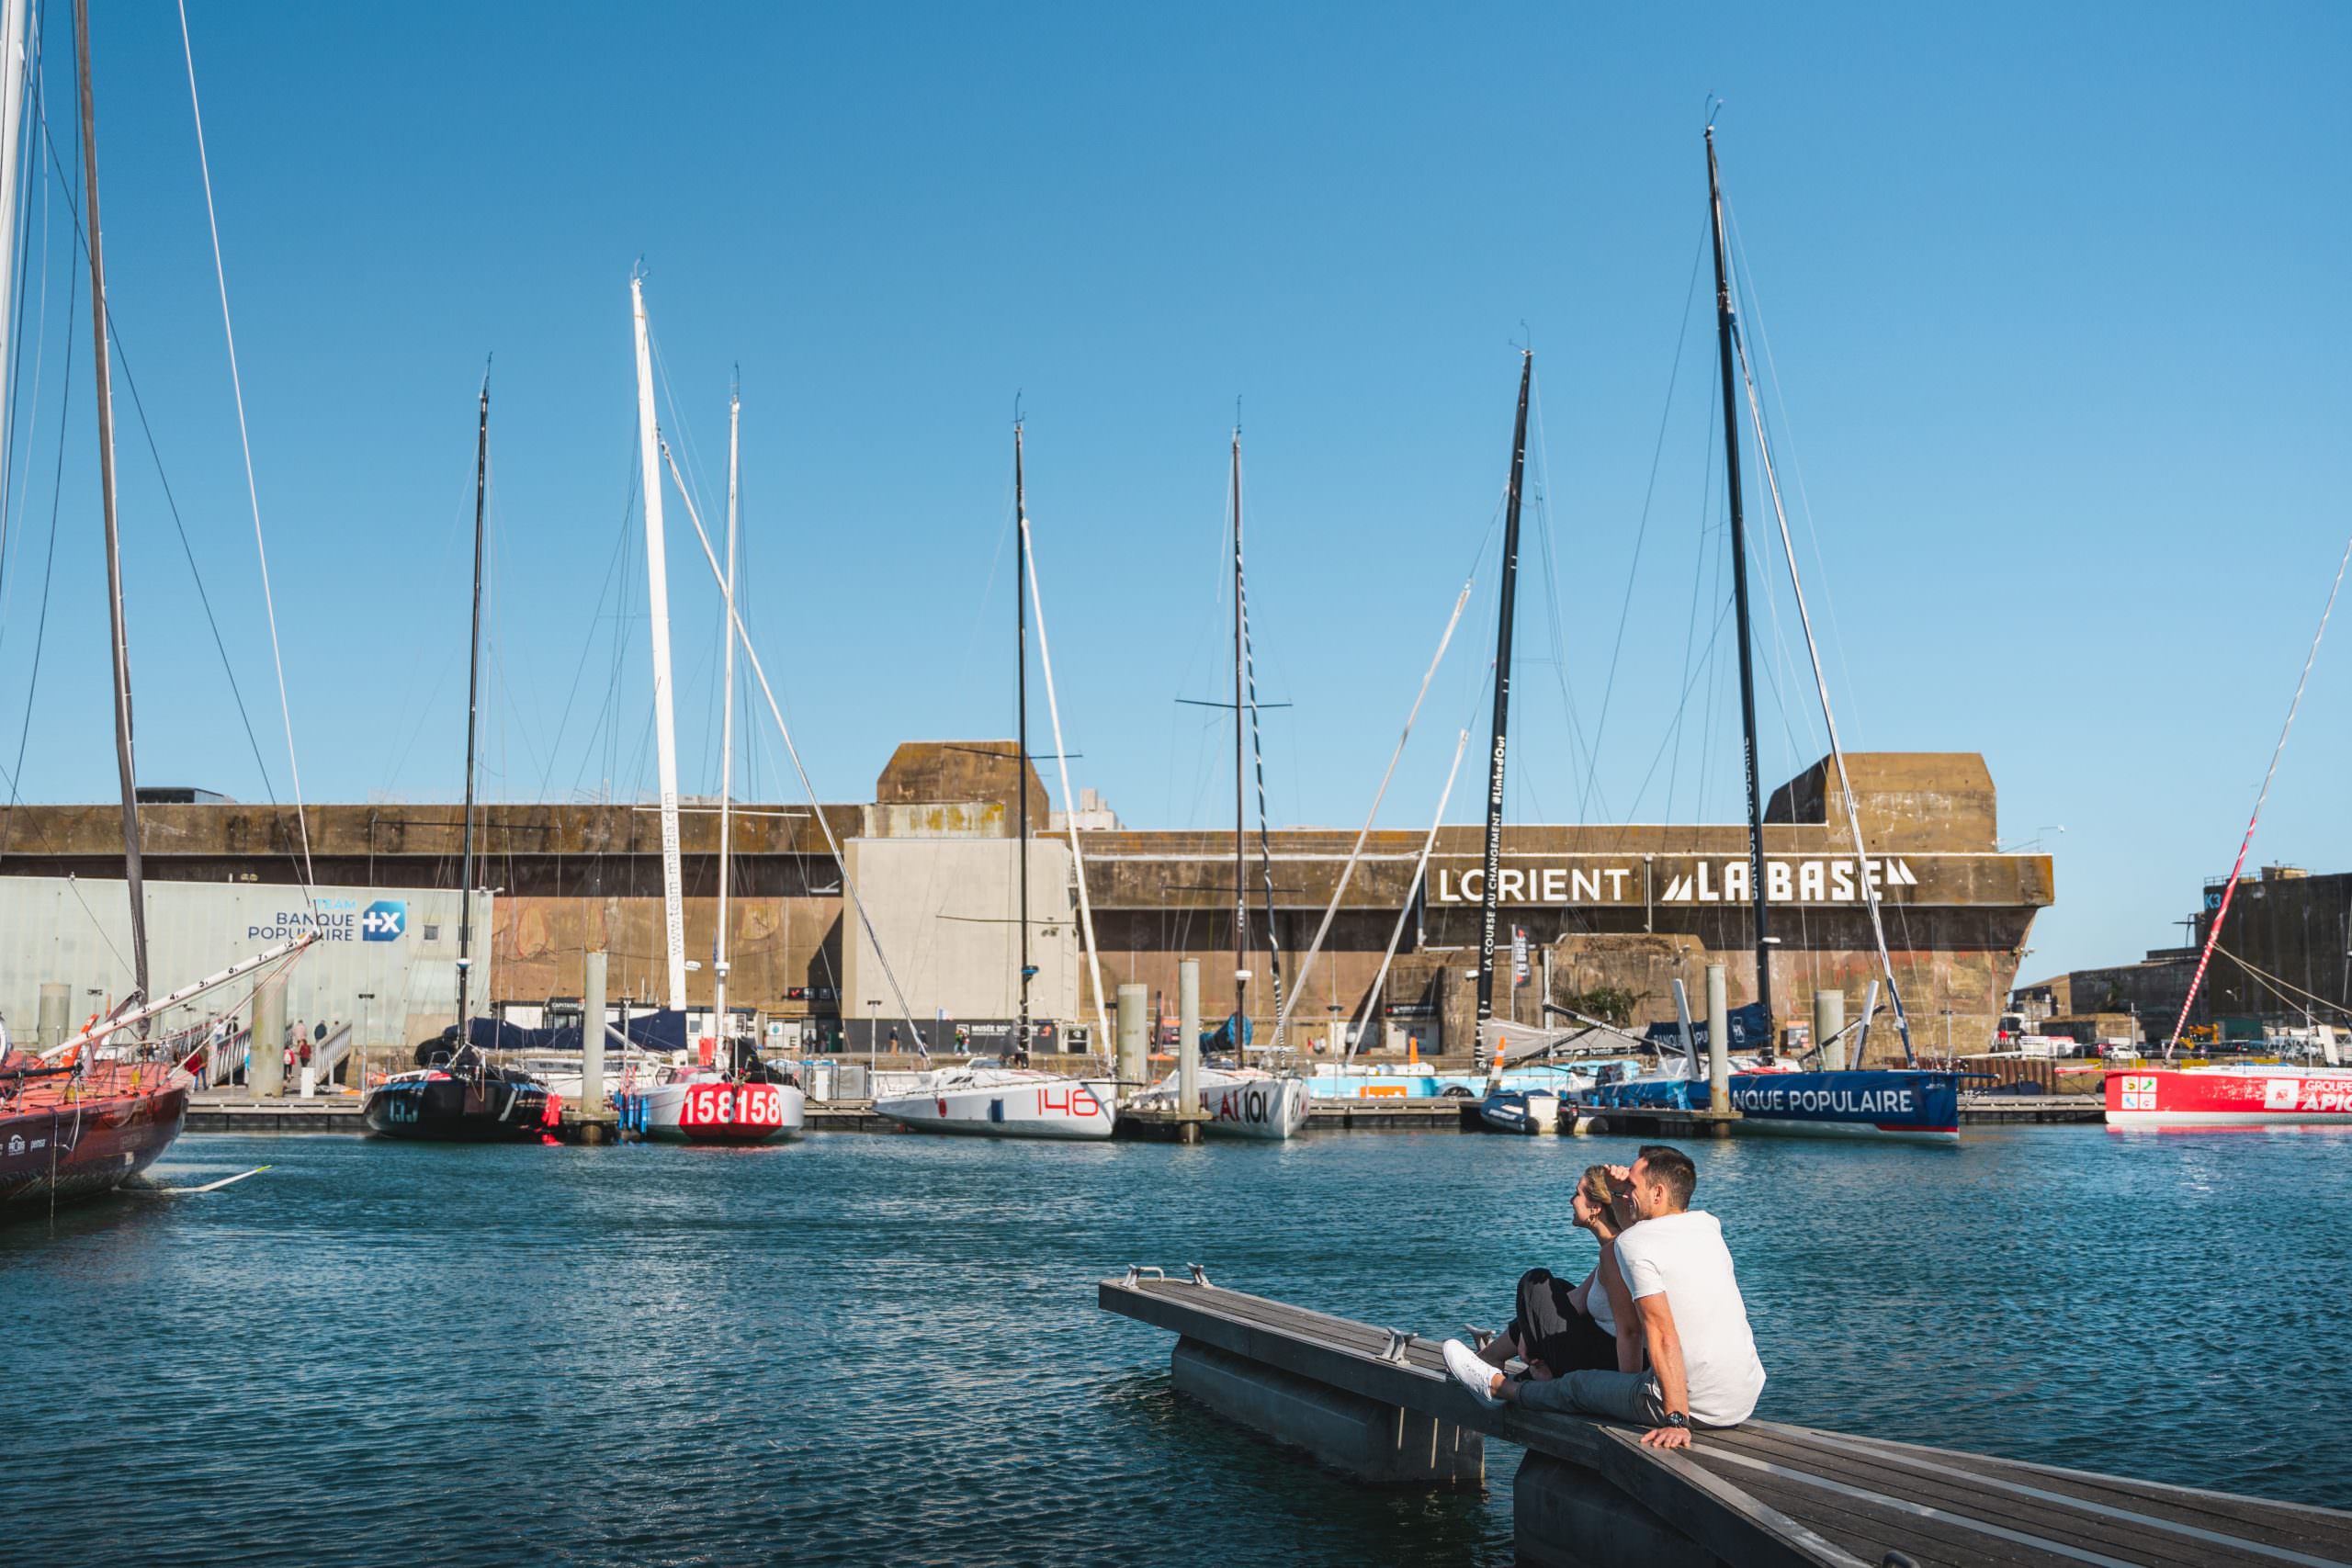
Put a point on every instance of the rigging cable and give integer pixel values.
(1412, 894)
(849, 887)
(2272, 983)
(171, 503)
(1306, 965)
(1837, 752)
(2214, 935)
(253, 493)
(1649, 493)
(22, 178)
(49, 567)
(1070, 806)
(1265, 844)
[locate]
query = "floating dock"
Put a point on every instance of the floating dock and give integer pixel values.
(1379, 1404)
(220, 1112)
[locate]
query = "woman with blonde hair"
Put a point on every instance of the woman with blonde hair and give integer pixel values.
(1589, 1326)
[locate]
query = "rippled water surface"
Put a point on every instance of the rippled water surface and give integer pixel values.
(858, 1347)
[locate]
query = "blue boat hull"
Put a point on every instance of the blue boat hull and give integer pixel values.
(1895, 1102)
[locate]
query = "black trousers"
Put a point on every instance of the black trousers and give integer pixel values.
(1551, 1330)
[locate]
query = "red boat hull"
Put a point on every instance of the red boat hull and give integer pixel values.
(2186, 1098)
(55, 1146)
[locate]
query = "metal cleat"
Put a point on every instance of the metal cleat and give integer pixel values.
(1200, 1276)
(1135, 1273)
(1394, 1351)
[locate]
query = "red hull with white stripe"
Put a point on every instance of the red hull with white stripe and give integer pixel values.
(2230, 1097)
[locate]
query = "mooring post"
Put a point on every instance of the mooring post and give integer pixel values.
(592, 1033)
(1133, 1002)
(265, 1050)
(54, 999)
(1188, 1036)
(1828, 1021)
(1718, 1040)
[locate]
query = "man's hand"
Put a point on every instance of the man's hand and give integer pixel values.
(1666, 1437)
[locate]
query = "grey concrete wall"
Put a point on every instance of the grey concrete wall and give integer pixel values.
(78, 931)
(948, 913)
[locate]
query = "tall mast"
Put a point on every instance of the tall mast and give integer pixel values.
(132, 871)
(1739, 593)
(12, 118)
(473, 703)
(1021, 723)
(1241, 886)
(657, 586)
(1498, 751)
(727, 738)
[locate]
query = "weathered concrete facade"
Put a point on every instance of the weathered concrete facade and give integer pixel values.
(1620, 907)
(2286, 948)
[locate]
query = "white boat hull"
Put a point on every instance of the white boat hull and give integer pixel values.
(717, 1112)
(1027, 1107)
(1262, 1107)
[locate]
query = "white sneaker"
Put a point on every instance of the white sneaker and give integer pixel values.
(1471, 1374)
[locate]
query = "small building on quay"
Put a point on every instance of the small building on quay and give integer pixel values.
(1612, 915)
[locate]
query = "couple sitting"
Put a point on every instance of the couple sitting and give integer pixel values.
(1656, 1335)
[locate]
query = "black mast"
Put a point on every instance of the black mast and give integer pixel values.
(1503, 617)
(132, 870)
(1241, 886)
(1723, 329)
(474, 666)
(1021, 730)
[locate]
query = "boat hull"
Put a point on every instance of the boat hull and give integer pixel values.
(2187, 1097)
(717, 1113)
(1526, 1115)
(1267, 1109)
(439, 1109)
(63, 1150)
(1057, 1107)
(1903, 1103)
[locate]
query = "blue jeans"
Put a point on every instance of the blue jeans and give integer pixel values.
(1619, 1396)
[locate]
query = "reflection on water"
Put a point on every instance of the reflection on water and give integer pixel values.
(856, 1348)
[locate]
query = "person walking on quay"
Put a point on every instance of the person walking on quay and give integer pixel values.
(1702, 1363)
(1558, 1329)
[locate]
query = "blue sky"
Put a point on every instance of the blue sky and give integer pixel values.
(2049, 292)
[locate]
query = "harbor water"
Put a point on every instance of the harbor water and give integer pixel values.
(859, 1348)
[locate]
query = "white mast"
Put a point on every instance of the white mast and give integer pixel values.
(657, 584)
(12, 116)
(727, 736)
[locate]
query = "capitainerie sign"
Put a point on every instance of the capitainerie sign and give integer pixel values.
(1678, 879)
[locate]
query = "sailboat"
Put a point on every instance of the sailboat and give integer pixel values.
(1906, 1102)
(2238, 1094)
(1506, 1109)
(735, 1098)
(1240, 1100)
(99, 1108)
(1009, 1098)
(454, 1094)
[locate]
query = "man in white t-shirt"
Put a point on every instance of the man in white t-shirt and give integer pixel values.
(1702, 1365)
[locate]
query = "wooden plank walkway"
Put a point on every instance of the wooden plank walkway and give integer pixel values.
(1769, 1493)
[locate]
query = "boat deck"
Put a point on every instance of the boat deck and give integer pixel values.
(1767, 1492)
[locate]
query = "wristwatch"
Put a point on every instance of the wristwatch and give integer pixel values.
(1678, 1419)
